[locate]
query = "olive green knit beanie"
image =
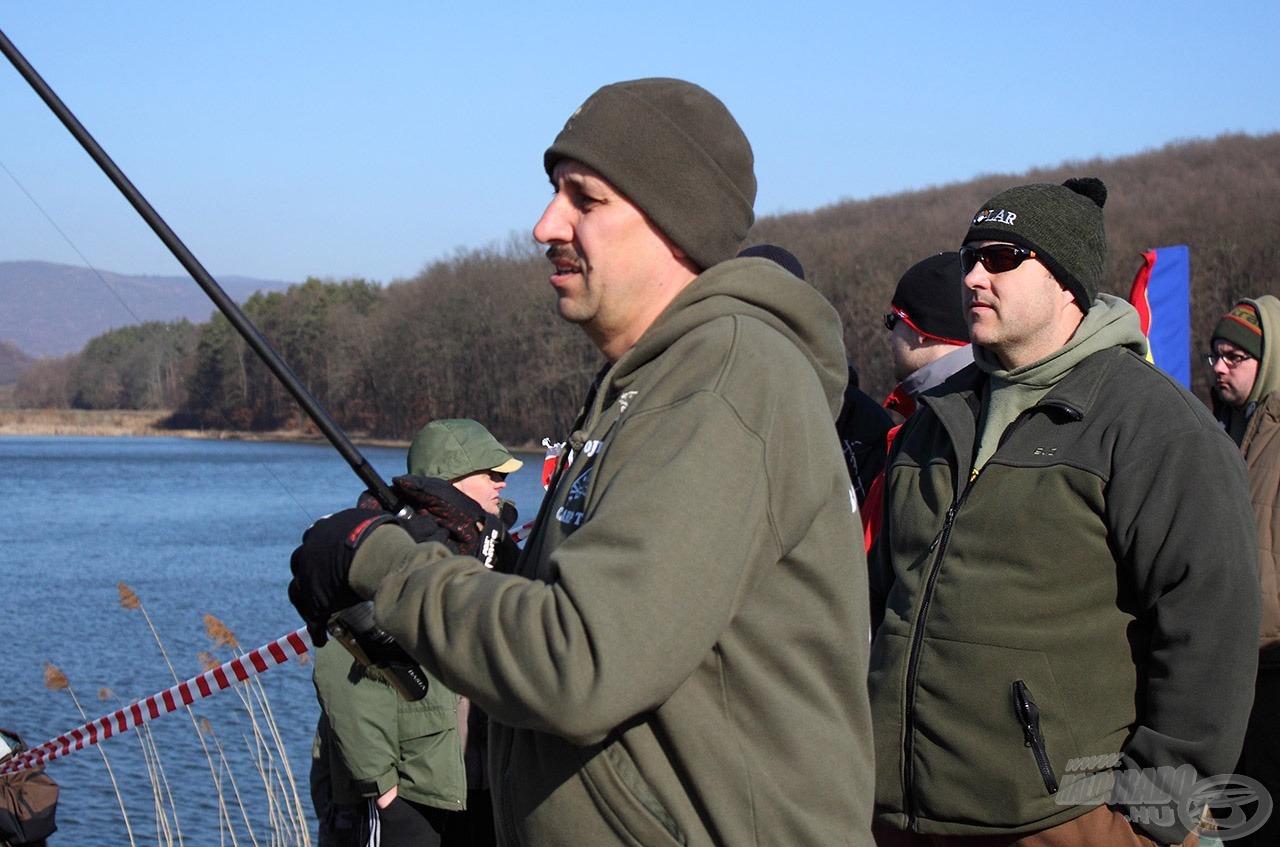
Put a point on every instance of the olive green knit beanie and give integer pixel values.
(674, 151)
(1061, 223)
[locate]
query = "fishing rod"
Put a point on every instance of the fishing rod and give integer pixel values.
(205, 280)
(171, 699)
(354, 627)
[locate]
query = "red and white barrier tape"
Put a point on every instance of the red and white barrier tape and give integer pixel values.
(183, 694)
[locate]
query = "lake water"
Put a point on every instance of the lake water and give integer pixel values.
(194, 528)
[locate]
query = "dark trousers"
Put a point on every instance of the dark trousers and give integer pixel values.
(474, 827)
(1260, 758)
(400, 824)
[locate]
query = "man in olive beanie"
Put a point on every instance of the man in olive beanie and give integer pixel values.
(1066, 566)
(681, 654)
(674, 151)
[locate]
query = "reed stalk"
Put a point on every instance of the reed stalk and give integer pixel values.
(224, 765)
(155, 776)
(56, 680)
(130, 601)
(284, 804)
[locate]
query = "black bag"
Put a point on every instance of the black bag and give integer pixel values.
(28, 802)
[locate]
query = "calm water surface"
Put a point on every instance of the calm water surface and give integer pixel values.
(194, 528)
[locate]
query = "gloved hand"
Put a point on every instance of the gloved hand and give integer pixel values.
(322, 562)
(489, 541)
(508, 513)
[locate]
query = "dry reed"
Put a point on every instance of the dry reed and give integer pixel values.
(56, 680)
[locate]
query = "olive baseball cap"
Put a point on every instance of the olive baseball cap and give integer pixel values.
(450, 449)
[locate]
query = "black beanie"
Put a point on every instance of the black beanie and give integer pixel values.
(674, 151)
(1242, 327)
(1062, 223)
(929, 295)
(778, 255)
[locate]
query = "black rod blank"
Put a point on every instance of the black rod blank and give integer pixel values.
(225, 304)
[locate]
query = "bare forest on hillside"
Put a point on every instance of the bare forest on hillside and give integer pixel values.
(476, 335)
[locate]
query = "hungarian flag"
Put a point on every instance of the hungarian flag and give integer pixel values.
(1162, 295)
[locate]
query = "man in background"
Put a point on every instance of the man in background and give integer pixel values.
(1065, 576)
(929, 341)
(862, 425)
(414, 772)
(1246, 400)
(928, 336)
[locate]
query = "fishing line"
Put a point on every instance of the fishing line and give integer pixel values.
(365, 639)
(138, 321)
(67, 239)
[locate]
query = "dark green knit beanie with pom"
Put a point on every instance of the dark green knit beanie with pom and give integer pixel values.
(673, 150)
(1061, 223)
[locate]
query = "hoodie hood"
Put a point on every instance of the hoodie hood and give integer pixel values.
(1111, 322)
(1268, 379)
(755, 288)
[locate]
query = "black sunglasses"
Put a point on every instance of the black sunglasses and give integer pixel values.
(891, 319)
(996, 258)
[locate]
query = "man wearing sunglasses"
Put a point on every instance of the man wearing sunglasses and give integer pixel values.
(1064, 584)
(929, 341)
(929, 337)
(1246, 399)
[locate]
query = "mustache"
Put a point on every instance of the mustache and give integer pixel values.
(564, 253)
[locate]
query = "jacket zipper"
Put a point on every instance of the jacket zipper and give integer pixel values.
(917, 638)
(505, 817)
(1029, 718)
(913, 660)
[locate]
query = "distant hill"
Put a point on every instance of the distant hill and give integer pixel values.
(12, 362)
(48, 309)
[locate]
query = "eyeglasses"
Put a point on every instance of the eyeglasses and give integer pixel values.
(996, 258)
(1231, 360)
(891, 319)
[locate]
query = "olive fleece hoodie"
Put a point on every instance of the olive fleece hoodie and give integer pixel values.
(682, 655)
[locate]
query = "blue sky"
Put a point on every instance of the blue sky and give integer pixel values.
(285, 139)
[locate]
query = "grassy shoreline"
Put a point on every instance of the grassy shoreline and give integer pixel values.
(121, 423)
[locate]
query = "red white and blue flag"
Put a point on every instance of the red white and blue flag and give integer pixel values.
(1162, 295)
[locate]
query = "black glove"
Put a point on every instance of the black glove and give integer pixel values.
(458, 517)
(508, 513)
(322, 563)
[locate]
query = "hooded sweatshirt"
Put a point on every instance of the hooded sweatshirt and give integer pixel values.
(681, 657)
(1111, 322)
(1235, 419)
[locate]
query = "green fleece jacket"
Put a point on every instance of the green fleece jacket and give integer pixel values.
(1087, 599)
(681, 658)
